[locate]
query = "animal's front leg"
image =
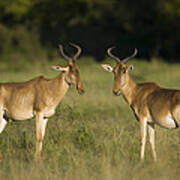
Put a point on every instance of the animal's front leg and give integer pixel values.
(40, 133)
(143, 132)
(151, 131)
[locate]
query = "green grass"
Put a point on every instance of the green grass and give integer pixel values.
(94, 136)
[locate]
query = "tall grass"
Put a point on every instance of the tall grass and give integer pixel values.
(94, 136)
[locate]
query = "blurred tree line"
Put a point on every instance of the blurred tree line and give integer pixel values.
(150, 25)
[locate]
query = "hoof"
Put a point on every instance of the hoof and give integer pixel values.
(39, 160)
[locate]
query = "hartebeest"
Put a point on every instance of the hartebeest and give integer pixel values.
(39, 97)
(151, 103)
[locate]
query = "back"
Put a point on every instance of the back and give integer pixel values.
(18, 99)
(142, 91)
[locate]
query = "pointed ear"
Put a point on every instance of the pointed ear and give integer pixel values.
(60, 68)
(107, 67)
(130, 68)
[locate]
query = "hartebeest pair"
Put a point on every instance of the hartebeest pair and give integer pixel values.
(39, 97)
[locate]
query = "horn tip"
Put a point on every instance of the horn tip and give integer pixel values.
(72, 44)
(111, 48)
(135, 51)
(60, 45)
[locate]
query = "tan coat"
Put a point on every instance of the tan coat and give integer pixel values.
(151, 103)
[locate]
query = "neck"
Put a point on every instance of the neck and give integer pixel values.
(61, 86)
(129, 89)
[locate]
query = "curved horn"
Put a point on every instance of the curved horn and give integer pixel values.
(62, 53)
(130, 57)
(78, 52)
(111, 55)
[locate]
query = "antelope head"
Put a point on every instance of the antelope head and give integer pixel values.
(72, 73)
(120, 71)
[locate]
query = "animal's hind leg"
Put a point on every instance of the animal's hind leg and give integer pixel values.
(3, 123)
(176, 116)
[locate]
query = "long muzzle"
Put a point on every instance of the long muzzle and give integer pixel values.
(80, 88)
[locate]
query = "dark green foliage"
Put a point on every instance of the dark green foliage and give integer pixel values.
(152, 26)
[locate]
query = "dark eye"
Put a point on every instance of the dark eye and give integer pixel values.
(70, 67)
(124, 70)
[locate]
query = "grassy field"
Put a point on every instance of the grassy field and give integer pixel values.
(94, 136)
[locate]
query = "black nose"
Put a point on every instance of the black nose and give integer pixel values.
(117, 93)
(81, 91)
